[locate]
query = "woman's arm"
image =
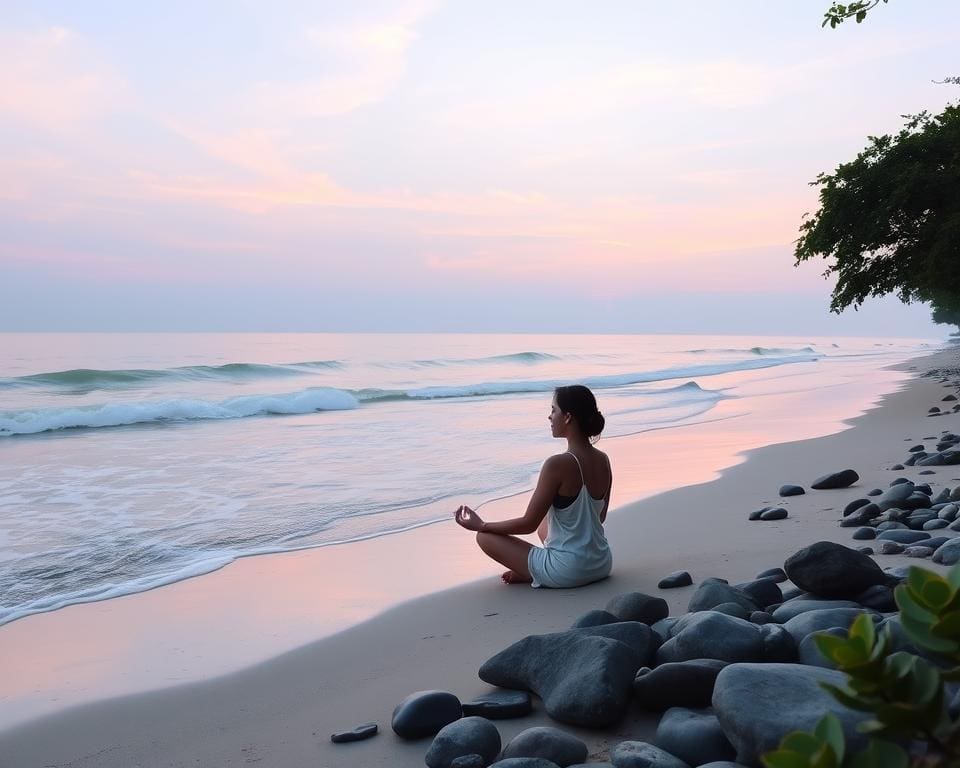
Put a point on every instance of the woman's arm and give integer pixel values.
(606, 501)
(543, 495)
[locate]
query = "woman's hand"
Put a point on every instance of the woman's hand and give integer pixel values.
(467, 518)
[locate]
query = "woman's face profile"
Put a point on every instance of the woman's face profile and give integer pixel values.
(557, 422)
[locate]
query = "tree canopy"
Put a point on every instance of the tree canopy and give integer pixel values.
(889, 221)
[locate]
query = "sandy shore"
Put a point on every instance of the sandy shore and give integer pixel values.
(281, 713)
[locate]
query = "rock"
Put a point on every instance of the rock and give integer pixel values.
(639, 754)
(763, 592)
(636, 606)
(794, 608)
(526, 762)
(889, 548)
(791, 490)
(712, 593)
(761, 617)
(424, 713)
(549, 743)
(594, 618)
(499, 705)
(776, 574)
(903, 537)
(935, 524)
(677, 684)
(843, 479)
(935, 542)
(755, 515)
(900, 481)
(915, 550)
(927, 472)
(664, 628)
(832, 570)
(875, 492)
(584, 676)
(365, 731)
(878, 598)
(948, 398)
(891, 525)
(467, 736)
(674, 580)
(808, 653)
(694, 736)
(864, 534)
(758, 704)
(894, 496)
(935, 409)
(777, 513)
(732, 609)
(854, 505)
(949, 553)
(865, 550)
(711, 635)
(915, 448)
(469, 761)
(814, 621)
(948, 512)
(897, 467)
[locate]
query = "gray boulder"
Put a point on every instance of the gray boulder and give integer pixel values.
(640, 754)
(499, 705)
(548, 743)
(949, 553)
(791, 490)
(675, 579)
(777, 513)
(832, 570)
(713, 592)
(636, 606)
(894, 496)
(814, 621)
(777, 574)
(889, 548)
(808, 653)
(903, 537)
(758, 704)
(695, 736)
(795, 607)
(525, 762)
(677, 684)
(468, 736)
(594, 618)
(584, 676)
(423, 713)
(842, 479)
(711, 635)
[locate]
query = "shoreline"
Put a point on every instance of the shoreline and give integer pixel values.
(283, 710)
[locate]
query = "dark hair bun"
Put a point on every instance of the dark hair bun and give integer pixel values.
(595, 424)
(579, 401)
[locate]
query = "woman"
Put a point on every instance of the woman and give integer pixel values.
(567, 509)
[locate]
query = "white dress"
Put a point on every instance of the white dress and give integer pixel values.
(575, 551)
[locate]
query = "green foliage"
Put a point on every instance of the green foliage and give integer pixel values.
(838, 13)
(903, 692)
(889, 221)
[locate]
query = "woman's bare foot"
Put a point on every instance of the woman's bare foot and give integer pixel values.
(512, 577)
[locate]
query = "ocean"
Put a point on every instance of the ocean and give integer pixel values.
(130, 461)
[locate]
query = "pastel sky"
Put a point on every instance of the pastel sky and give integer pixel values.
(487, 166)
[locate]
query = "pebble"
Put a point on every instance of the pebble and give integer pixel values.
(889, 548)
(674, 580)
(636, 606)
(499, 705)
(874, 492)
(777, 513)
(549, 743)
(842, 479)
(777, 574)
(361, 732)
(791, 490)
(467, 736)
(864, 534)
(640, 754)
(424, 713)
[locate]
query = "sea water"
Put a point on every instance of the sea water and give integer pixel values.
(130, 461)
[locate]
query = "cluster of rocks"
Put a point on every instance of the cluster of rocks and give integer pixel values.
(729, 678)
(841, 479)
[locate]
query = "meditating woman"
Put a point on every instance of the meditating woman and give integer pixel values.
(567, 509)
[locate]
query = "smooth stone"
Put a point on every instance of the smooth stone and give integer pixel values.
(897, 467)
(878, 598)
(711, 593)
(927, 472)
(468, 761)
(594, 618)
(423, 713)
(935, 525)
(759, 704)
(777, 513)
(891, 525)
(723, 764)
(900, 481)
(864, 534)
(843, 479)
(663, 629)
(584, 676)
(467, 736)
(361, 732)
(808, 653)
(776, 574)
(794, 608)
(949, 553)
(935, 542)
(763, 592)
(874, 492)
(712, 635)
(636, 606)
(894, 496)
(955, 525)
(832, 570)
(854, 505)
(499, 705)
(526, 762)
(695, 736)
(640, 754)
(948, 512)
(791, 490)
(814, 621)
(675, 579)
(761, 617)
(889, 548)
(677, 684)
(548, 743)
(793, 592)
(732, 609)
(755, 515)
(903, 537)
(865, 550)
(917, 550)
(915, 448)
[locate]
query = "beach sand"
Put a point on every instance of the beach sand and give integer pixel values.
(282, 712)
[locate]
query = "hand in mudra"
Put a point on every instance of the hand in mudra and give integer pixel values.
(468, 519)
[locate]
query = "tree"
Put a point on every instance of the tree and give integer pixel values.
(890, 219)
(839, 13)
